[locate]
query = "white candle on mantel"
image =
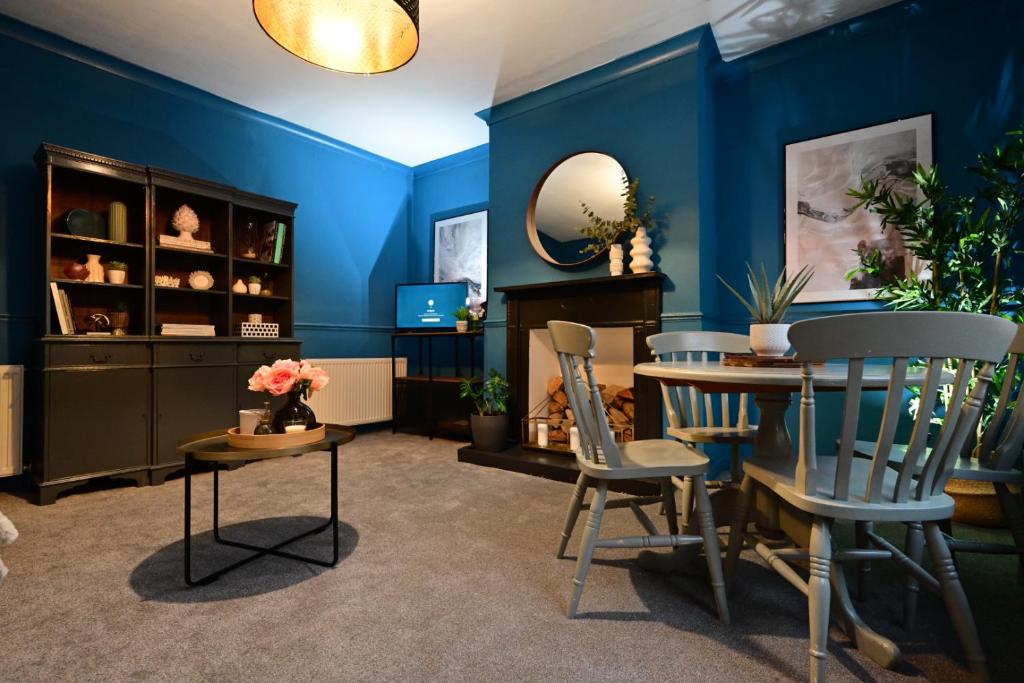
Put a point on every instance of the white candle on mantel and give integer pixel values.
(294, 428)
(574, 440)
(542, 434)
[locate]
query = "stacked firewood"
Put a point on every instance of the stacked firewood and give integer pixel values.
(619, 404)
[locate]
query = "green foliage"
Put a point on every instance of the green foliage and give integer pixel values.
(871, 262)
(461, 313)
(117, 265)
(255, 279)
(768, 303)
(604, 232)
(490, 395)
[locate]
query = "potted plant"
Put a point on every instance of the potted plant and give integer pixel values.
(462, 316)
(605, 234)
(117, 272)
(489, 423)
(255, 284)
(768, 303)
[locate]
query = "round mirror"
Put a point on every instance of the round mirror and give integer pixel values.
(555, 216)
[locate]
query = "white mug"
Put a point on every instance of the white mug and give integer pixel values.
(248, 419)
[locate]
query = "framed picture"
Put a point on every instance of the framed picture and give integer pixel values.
(822, 228)
(460, 251)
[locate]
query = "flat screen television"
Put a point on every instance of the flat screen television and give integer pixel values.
(429, 306)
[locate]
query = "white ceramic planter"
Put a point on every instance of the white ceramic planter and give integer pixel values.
(116, 277)
(462, 326)
(769, 339)
(615, 260)
(255, 287)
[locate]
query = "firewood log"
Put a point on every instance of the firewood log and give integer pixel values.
(626, 394)
(629, 408)
(555, 384)
(555, 407)
(560, 398)
(616, 416)
(609, 392)
(558, 436)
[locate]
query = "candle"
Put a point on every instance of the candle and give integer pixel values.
(574, 440)
(247, 420)
(542, 434)
(294, 428)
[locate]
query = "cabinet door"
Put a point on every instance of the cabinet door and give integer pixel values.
(190, 401)
(96, 421)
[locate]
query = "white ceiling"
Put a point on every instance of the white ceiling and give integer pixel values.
(473, 54)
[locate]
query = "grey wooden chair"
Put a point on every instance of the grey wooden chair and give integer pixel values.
(697, 418)
(601, 460)
(858, 490)
(996, 458)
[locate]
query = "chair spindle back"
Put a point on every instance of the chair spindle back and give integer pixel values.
(1001, 444)
(574, 345)
(688, 406)
(932, 337)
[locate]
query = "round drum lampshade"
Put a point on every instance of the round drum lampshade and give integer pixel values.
(353, 36)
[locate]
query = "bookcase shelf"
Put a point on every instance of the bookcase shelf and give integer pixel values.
(96, 241)
(83, 283)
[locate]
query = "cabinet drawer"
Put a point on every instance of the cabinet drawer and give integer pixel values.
(194, 354)
(267, 352)
(98, 354)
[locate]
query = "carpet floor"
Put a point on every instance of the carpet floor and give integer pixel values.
(448, 573)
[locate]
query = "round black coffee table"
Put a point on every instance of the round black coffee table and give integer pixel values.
(213, 448)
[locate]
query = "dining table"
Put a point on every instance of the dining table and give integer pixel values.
(773, 388)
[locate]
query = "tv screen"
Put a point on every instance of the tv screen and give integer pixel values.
(429, 306)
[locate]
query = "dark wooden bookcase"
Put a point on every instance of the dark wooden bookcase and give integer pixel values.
(116, 406)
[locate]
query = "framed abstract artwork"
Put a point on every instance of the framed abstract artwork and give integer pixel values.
(850, 253)
(460, 251)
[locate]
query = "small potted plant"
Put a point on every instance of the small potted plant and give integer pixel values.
(768, 303)
(462, 316)
(489, 423)
(117, 272)
(255, 284)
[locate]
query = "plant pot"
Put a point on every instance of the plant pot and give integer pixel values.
(976, 504)
(116, 277)
(254, 287)
(462, 326)
(490, 432)
(770, 340)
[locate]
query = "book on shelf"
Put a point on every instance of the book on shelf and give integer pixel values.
(187, 330)
(279, 243)
(184, 243)
(62, 306)
(69, 312)
(268, 239)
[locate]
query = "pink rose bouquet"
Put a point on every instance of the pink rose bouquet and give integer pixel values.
(288, 375)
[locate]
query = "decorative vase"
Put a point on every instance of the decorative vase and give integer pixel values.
(462, 326)
(254, 287)
(116, 277)
(640, 254)
(117, 222)
(293, 411)
(76, 271)
(770, 340)
(118, 321)
(239, 287)
(615, 259)
(490, 432)
(92, 264)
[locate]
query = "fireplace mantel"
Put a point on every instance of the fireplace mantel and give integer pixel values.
(624, 301)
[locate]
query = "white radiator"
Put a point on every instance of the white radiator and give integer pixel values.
(359, 391)
(12, 382)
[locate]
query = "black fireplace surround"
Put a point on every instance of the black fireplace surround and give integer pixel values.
(625, 301)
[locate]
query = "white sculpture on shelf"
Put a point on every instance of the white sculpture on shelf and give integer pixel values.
(185, 221)
(640, 254)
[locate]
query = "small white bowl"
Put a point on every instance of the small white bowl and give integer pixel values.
(200, 279)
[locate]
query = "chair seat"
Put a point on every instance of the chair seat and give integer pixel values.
(714, 434)
(650, 458)
(966, 468)
(780, 478)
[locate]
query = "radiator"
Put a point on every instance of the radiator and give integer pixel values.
(12, 382)
(359, 391)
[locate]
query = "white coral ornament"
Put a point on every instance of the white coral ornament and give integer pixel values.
(185, 221)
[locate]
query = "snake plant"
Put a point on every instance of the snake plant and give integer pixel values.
(768, 303)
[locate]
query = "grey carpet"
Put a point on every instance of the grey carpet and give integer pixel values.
(448, 573)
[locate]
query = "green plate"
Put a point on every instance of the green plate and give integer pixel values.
(85, 223)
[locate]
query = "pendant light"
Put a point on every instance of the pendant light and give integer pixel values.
(353, 36)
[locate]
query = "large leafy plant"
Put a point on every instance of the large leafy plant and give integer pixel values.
(604, 232)
(769, 302)
(490, 396)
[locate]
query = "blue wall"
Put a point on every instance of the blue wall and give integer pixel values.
(352, 225)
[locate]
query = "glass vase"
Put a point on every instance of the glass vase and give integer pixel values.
(293, 412)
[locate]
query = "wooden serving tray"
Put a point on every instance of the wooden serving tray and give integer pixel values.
(268, 442)
(749, 360)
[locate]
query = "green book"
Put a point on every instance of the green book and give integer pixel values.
(279, 243)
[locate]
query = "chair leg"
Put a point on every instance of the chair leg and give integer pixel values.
(861, 530)
(736, 469)
(739, 525)
(1013, 508)
(668, 496)
(575, 505)
(587, 545)
(819, 594)
(686, 501)
(712, 552)
(915, 551)
(956, 599)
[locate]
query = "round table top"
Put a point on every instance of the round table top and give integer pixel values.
(827, 376)
(213, 446)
